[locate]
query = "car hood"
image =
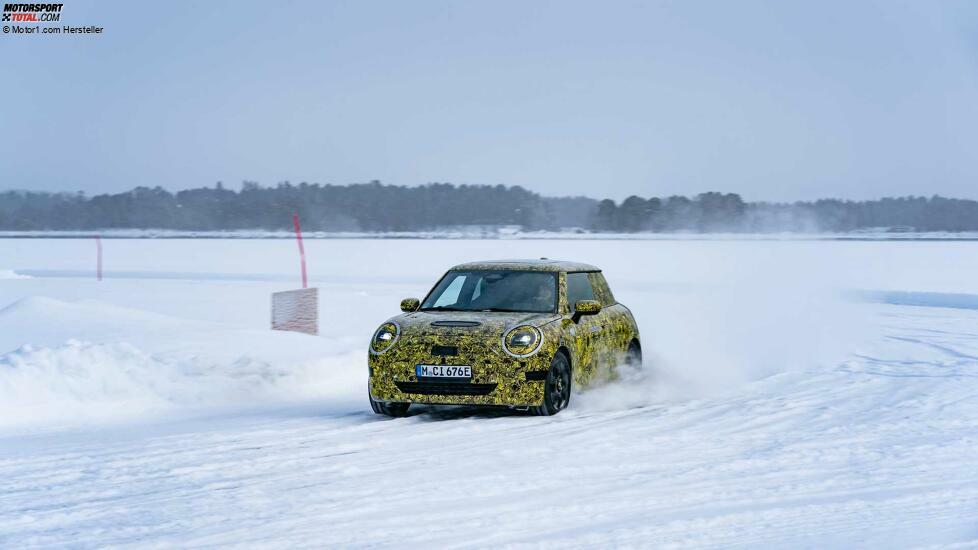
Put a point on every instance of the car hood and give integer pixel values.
(489, 323)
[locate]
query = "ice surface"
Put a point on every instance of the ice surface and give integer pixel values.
(815, 393)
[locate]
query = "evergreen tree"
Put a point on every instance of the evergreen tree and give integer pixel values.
(374, 206)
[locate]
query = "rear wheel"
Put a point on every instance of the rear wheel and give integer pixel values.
(389, 409)
(557, 388)
(633, 357)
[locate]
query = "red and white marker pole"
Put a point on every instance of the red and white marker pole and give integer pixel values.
(98, 258)
(302, 251)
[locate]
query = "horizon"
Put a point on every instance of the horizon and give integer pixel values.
(692, 194)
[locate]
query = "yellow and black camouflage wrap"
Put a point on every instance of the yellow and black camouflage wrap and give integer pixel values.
(594, 345)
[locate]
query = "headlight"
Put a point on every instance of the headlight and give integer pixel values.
(384, 338)
(522, 341)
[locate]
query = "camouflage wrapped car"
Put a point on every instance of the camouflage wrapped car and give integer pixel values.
(517, 333)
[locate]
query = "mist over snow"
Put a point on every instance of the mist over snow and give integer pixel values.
(710, 340)
(11, 274)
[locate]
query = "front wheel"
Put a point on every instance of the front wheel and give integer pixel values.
(557, 388)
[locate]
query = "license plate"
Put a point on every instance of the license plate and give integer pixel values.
(443, 371)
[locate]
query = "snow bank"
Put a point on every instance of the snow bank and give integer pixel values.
(84, 381)
(86, 361)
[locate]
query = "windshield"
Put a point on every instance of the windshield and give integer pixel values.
(524, 291)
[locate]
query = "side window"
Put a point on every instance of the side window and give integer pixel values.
(601, 289)
(578, 288)
(450, 295)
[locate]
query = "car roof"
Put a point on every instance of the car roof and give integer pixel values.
(542, 264)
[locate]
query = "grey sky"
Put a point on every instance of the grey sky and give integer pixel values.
(775, 100)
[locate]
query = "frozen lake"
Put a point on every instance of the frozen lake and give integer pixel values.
(796, 393)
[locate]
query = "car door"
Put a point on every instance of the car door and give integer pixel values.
(612, 340)
(587, 330)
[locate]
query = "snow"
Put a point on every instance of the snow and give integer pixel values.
(796, 393)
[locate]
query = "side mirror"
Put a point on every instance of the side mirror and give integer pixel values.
(411, 304)
(586, 307)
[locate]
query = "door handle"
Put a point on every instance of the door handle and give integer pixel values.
(595, 328)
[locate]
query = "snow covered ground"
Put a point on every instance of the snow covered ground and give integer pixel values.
(796, 393)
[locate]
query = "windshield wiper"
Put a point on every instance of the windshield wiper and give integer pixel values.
(503, 310)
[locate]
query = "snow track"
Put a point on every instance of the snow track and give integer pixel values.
(232, 435)
(873, 452)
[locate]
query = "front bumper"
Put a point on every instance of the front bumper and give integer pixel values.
(496, 380)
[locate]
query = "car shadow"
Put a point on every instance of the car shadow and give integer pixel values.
(431, 413)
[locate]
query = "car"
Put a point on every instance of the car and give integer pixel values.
(513, 333)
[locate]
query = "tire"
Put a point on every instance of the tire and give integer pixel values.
(556, 389)
(394, 410)
(633, 357)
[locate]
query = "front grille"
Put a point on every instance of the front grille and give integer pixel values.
(445, 388)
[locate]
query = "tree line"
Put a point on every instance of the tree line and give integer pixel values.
(727, 212)
(375, 207)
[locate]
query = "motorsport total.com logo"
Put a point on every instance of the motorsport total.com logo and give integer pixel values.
(32, 13)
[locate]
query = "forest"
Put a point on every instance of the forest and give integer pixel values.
(376, 207)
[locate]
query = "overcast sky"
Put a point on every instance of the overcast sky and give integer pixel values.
(774, 100)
